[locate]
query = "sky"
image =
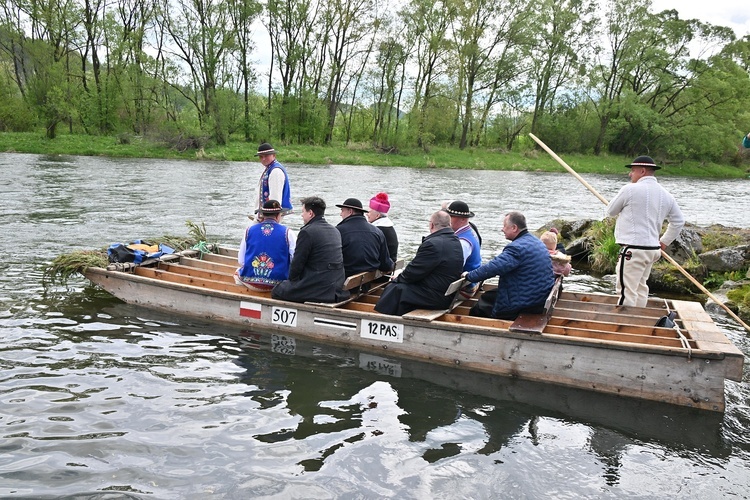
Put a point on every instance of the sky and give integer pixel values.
(731, 13)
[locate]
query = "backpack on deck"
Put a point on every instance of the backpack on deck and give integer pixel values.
(136, 251)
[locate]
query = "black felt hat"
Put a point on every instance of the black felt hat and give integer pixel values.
(265, 149)
(459, 209)
(644, 161)
(354, 204)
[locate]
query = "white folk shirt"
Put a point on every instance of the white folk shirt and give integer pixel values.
(641, 208)
(276, 182)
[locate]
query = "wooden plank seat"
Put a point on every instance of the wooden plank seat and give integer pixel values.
(220, 259)
(535, 323)
(354, 283)
(567, 311)
(432, 314)
(197, 272)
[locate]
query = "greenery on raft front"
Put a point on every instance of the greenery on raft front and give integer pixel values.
(64, 266)
(526, 159)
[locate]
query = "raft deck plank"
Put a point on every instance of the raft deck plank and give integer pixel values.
(197, 272)
(454, 289)
(355, 281)
(211, 266)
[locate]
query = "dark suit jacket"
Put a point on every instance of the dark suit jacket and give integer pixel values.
(363, 245)
(317, 270)
(438, 263)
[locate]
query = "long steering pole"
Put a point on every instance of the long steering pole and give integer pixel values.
(663, 253)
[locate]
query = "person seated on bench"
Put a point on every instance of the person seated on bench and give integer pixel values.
(469, 238)
(378, 217)
(525, 274)
(266, 251)
(560, 261)
(363, 245)
(423, 282)
(316, 273)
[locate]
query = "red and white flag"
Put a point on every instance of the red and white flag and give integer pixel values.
(250, 310)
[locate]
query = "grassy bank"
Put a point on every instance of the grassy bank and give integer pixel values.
(357, 154)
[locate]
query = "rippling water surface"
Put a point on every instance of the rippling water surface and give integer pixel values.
(99, 399)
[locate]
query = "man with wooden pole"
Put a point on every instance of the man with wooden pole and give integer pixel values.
(664, 254)
(641, 207)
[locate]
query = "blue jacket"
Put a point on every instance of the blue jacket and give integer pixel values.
(525, 272)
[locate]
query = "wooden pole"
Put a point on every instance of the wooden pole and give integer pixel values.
(663, 253)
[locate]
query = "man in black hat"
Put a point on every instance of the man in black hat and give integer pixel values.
(363, 244)
(266, 251)
(469, 238)
(274, 181)
(641, 208)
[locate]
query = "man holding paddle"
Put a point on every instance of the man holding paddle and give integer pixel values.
(641, 207)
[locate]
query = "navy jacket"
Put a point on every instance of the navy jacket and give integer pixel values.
(525, 272)
(363, 245)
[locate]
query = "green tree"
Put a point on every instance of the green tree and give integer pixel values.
(202, 37)
(291, 25)
(243, 14)
(426, 25)
(348, 26)
(387, 84)
(564, 32)
(486, 35)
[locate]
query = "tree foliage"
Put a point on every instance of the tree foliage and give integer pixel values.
(584, 76)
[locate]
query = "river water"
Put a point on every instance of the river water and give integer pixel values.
(99, 399)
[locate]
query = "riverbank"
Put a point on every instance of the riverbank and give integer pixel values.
(530, 160)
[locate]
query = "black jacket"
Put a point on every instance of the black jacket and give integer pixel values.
(317, 270)
(438, 263)
(363, 246)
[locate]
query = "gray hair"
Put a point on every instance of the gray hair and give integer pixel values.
(517, 218)
(440, 219)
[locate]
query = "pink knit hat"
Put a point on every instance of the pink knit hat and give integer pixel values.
(380, 203)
